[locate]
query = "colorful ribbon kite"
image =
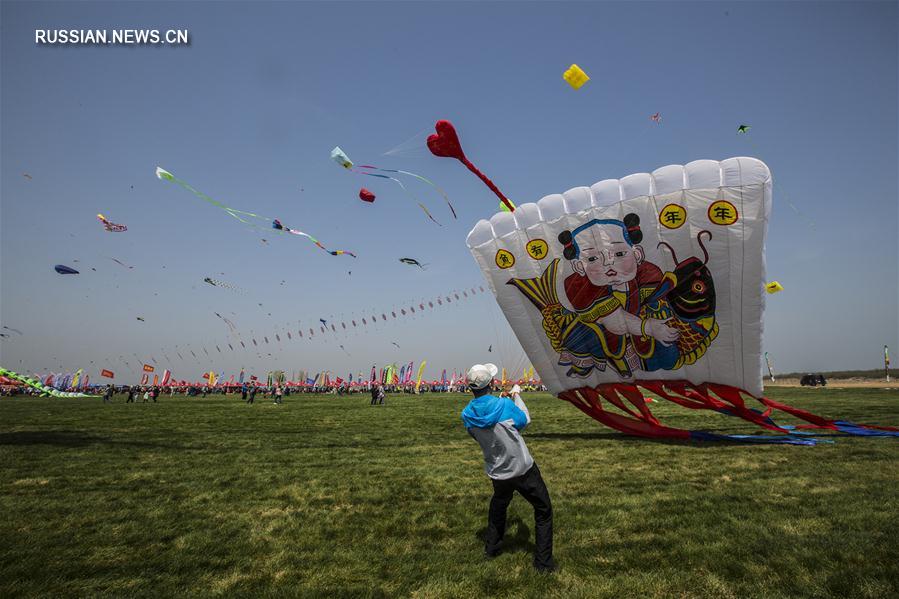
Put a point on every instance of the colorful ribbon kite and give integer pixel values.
(276, 224)
(240, 215)
(340, 157)
(36, 384)
(419, 177)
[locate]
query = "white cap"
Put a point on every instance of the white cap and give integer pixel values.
(481, 375)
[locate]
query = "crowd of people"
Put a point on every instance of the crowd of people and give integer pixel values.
(249, 390)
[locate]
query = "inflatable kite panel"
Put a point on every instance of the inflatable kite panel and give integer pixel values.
(652, 283)
(655, 276)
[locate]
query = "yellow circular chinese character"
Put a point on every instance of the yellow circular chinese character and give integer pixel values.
(505, 259)
(673, 216)
(537, 249)
(723, 212)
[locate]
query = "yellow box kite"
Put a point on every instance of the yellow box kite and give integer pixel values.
(575, 76)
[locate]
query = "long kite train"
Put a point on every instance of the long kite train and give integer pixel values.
(248, 218)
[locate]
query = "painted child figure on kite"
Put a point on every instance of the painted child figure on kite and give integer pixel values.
(627, 312)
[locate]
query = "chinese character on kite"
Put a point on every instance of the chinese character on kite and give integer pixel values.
(622, 299)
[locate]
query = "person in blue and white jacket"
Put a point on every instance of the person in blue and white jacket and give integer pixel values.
(495, 422)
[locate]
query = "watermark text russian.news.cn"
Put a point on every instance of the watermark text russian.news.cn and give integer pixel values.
(119, 37)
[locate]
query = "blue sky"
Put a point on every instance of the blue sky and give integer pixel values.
(249, 111)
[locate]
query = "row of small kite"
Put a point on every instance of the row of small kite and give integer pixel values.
(345, 325)
(326, 326)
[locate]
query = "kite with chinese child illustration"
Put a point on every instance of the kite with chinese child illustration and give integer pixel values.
(654, 283)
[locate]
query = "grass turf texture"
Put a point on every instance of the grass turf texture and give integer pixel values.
(327, 496)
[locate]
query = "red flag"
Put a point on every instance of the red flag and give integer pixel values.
(107, 373)
(144, 379)
(148, 368)
(206, 375)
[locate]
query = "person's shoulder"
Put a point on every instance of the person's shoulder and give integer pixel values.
(471, 403)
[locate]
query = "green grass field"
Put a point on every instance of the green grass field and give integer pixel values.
(332, 497)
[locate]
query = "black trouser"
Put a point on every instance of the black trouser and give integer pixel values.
(531, 486)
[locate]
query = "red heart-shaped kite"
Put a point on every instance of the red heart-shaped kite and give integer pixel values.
(445, 142)
(366, 196)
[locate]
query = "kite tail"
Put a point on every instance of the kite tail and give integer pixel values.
(419, 177)
(643, 424)
(637, 419)
(842, 426)
(434, 185)
(165, 175)
(400, 183)
(188, 187)
(488, 183)
(317, 243)
(422, 206)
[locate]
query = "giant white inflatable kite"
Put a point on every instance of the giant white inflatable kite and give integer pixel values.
(652, 277)
(651, 283)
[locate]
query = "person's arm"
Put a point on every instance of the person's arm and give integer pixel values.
(522, 417)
